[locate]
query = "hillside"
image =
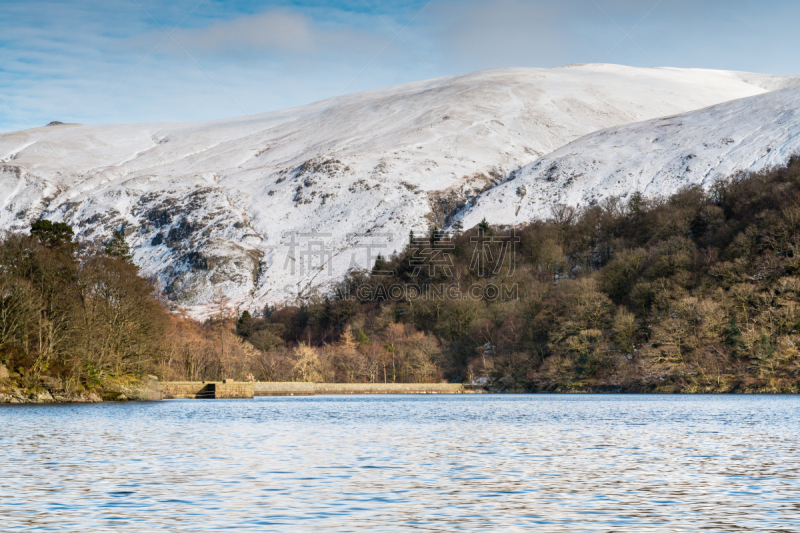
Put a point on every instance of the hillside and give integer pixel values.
(655, 157)
(208, 207)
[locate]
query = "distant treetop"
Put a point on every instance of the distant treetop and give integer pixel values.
(52, 234)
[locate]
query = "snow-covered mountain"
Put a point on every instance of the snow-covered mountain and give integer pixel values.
(210, 207)
(655, 157)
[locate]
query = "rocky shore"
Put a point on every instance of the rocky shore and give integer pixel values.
(55, 390)
(17, 395)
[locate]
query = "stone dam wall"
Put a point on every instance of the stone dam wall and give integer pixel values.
(298, 388)
(242, 389)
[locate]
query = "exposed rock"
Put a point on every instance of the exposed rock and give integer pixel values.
(56, 390)
(43, 397)
(446, 204)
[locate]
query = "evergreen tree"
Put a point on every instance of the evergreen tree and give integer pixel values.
(636, 205)
(52, 234)
(435, 236)
(243, 325)
(733, 338)
(484, 227)
(361, 338)
(380, 263)
(118, 247)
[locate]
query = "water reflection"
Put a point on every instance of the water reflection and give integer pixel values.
(429, 463)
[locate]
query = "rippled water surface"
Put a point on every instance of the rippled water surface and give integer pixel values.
(387, 463)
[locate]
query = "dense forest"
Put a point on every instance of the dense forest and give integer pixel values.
(696, 292)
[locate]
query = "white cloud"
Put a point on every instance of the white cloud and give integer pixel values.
(273, 31)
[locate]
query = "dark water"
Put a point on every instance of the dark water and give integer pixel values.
(389, 463)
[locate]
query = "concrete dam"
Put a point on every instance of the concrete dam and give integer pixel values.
(227, 389)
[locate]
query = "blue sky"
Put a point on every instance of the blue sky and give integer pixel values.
(118, 61)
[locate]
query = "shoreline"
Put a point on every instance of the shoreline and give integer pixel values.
(94, 398)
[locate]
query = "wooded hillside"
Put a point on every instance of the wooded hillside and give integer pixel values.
(697, 292)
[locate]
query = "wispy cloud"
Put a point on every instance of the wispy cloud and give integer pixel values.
(279, 31)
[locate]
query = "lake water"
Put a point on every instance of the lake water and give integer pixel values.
(392, 463)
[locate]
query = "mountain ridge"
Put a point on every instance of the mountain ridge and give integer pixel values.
(655, 158)
(208, 207)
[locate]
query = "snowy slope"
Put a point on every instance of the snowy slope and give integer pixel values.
(656, 157)
(209, 207)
